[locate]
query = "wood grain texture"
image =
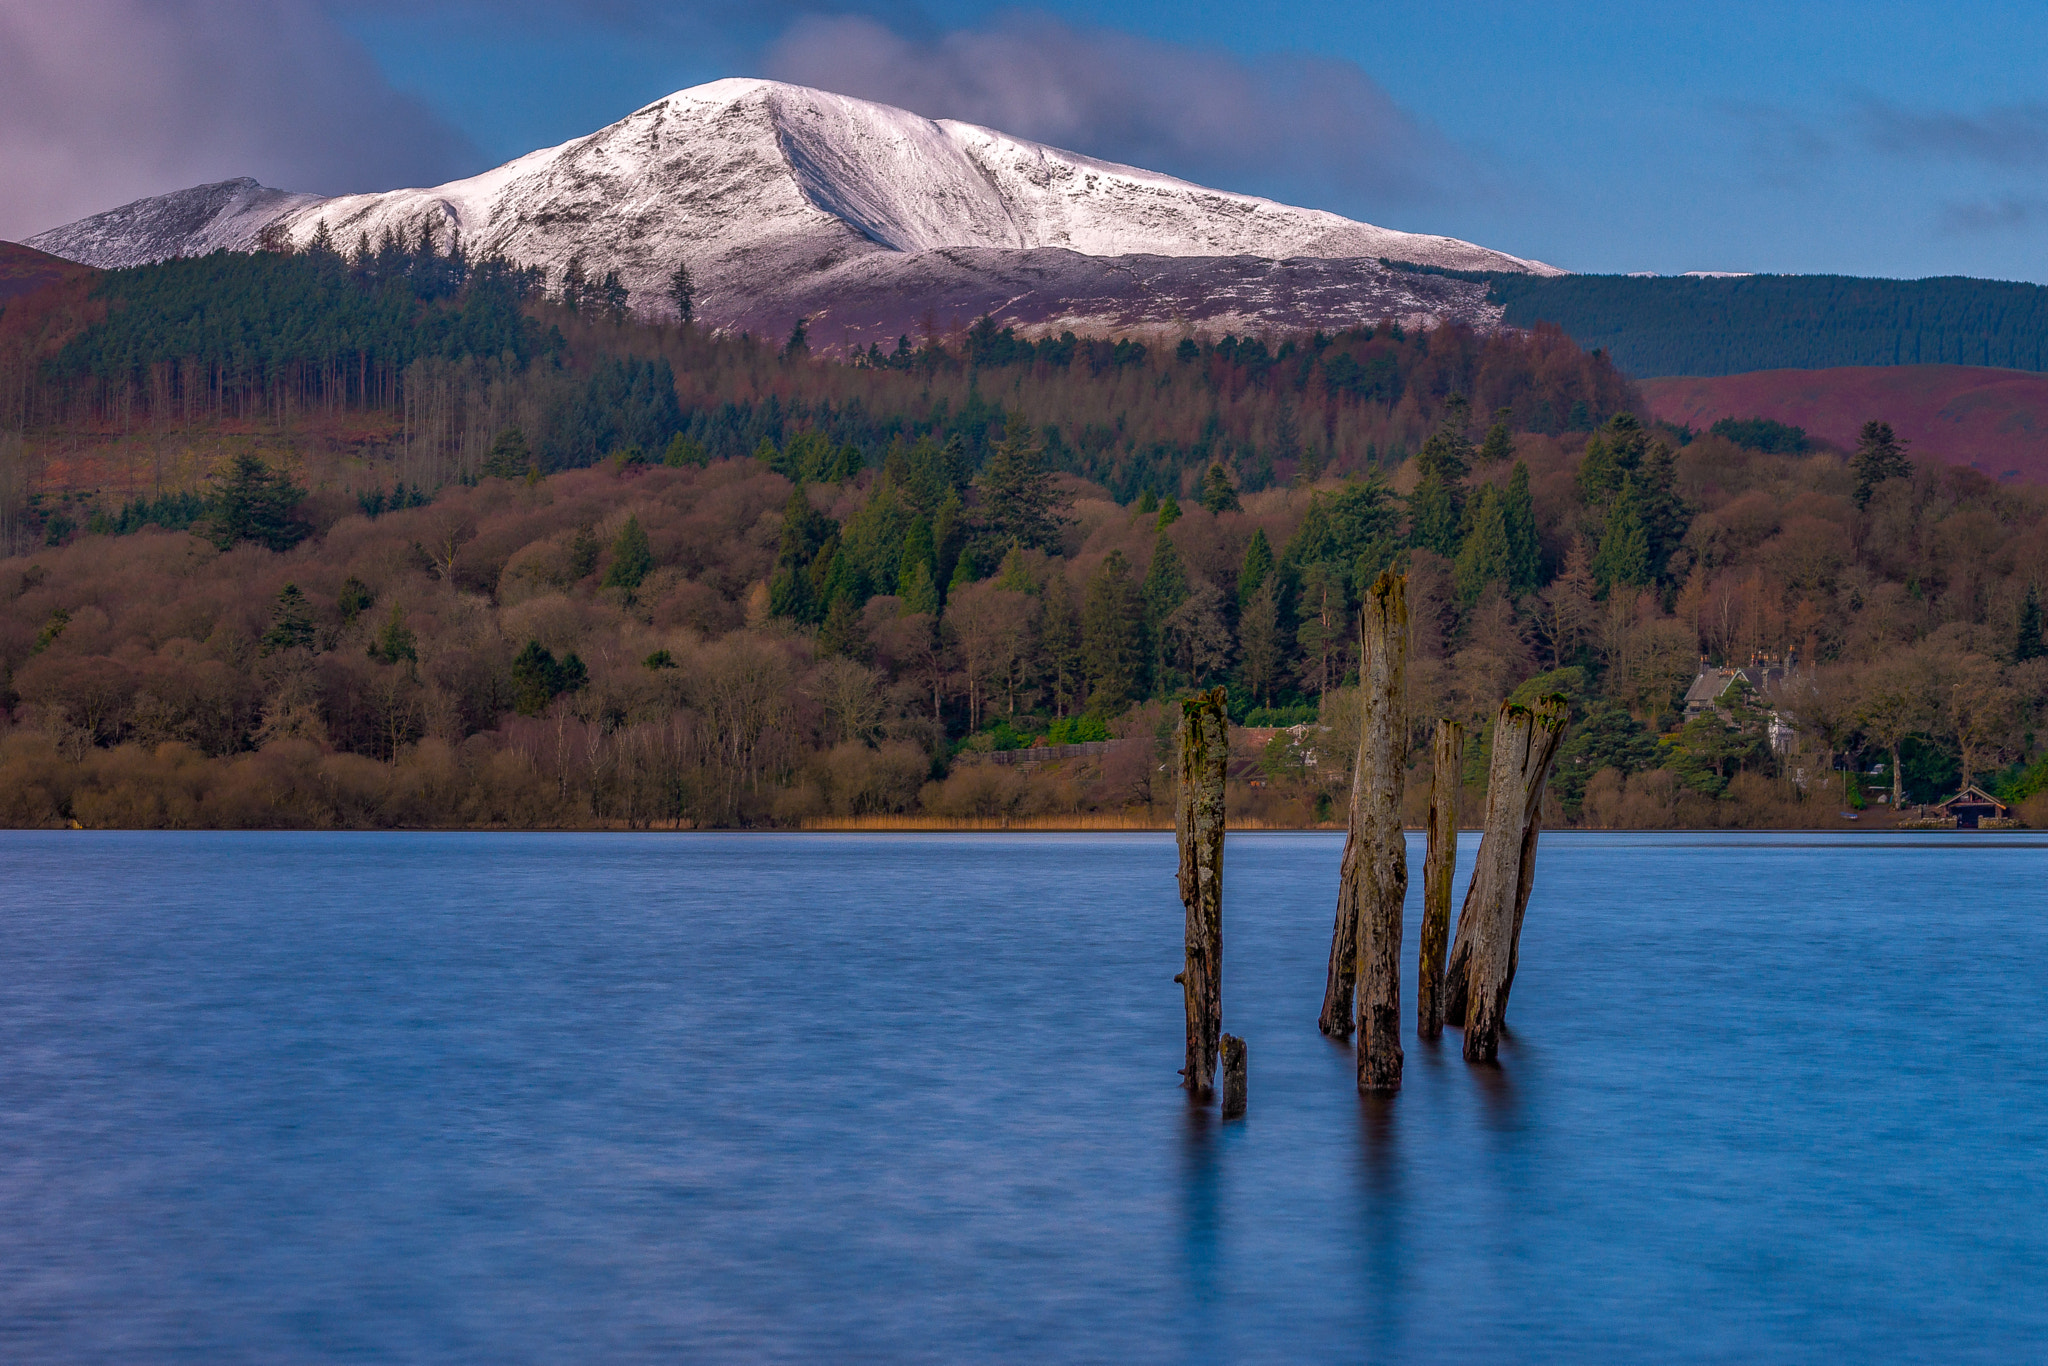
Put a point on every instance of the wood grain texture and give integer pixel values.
(1198, 823)
(1447, 763)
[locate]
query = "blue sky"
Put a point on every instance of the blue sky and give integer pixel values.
(1884, 139)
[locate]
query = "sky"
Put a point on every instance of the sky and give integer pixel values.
(1898, 139)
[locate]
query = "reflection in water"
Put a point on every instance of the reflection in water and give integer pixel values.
(1383, 1211)
(1200, 1217)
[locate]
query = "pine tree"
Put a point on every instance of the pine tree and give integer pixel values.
(509, 457)
(918, 549)
(798, 347)
(583, 550)
(1880, 455)
(1166, 581)
(1518, 509)
(1624, 555)
(1484, 556)
(1256, 568)
(1169, 511)
(1019, 502)
(354, 599)
(1261, 656)
(917, 591)
(682, 292)
(396, 641)
(1437, 507)
(1218, 494)
(252, 502)
(1500, 439)
(1015, 575)
(632, 559)
(682, 451)
(1059, 644)
(1113, 645)
(845, 632)
(291, 623)
(1612, 454)
(2027, 642)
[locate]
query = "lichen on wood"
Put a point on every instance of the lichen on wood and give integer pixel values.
(1481, 971)
(1233, 1077)
(1198, 823)
(1365, 940)
(1438, 868)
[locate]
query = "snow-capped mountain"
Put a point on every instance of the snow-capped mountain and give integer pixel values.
(763, 188)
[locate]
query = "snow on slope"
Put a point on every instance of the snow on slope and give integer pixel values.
(759, 185)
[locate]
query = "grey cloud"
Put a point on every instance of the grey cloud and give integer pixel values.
(105, 101)
(1293, 122)
(2013, 136)
(2008, 213)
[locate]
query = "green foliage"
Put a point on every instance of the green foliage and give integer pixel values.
(1880, 455)
(1436, 509)
(1256, 568)
(583, 550)
(291, 623)
(918, 592)
(2027, 641)
(508, 457)
(354, 599)
(1218, 493)
(538, 678)
(1606, 736)
(1518, 515)
(252, 502)
(1019, 503)
(810, 542)
(659, 660)
(1115, 649)
(396, 641)
(1076, 730)
(1484, 556)
(1691, 326)
(1762, 434)
(682, 292)
(52, 629)
(1500, 439)
(685, 452)
(1169, 511)
(844, 631)
(1166, 580)
(632, 558)
(1353, 532)
(1623, 559)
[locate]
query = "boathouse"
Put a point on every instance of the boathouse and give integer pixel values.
(1972, 806)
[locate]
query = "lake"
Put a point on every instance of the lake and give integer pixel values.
(545, 1098)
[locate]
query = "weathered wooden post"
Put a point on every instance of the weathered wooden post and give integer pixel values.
(1365, 942)
(1233, 1077)
(1483, 959)
(1198, 827)
(1442, 862)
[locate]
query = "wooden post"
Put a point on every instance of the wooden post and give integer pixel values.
(1437, 870)
(1365, 942)
(1483, 959)
(1198, 827)
(1233, 1077)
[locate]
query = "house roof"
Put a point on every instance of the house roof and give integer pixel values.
(1972, 795)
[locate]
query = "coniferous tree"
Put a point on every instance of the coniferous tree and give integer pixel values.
(1019, 503)
(1059, 644)
(354, 599)
(682, 292)
(809, 537)
(583, 550)
(632, 558)
(918, 592)
(252, 502)
(396, 641)
(1484, 557)
(2027, 642)
(1612, 454)
(1256, 568)
(291, 623)
(1880, 455)
(1500, 439)
(845, 632)
(1518, 510)
(1169, 511)
(1437, 507)
(1624, 555)
(1114, 649)
(683, 451)
(1218, 494)
(509, 457)
(798, 347)
(1262, 657)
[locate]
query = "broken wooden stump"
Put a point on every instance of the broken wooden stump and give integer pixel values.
(1365, 941)
(1233, 1077)
(1198, 828)
(1483, 959)
(1447, 754)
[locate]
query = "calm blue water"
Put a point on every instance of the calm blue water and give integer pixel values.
(508, 1098)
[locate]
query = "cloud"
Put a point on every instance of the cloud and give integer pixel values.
(2013, 136)
(106, 101)
(2008, 213)
(1284, 123)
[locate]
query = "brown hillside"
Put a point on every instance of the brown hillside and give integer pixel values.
(24, 270)
(1994, 421)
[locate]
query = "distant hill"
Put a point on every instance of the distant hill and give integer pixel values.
(24, 270)
(1995, 421)
(1656, 326)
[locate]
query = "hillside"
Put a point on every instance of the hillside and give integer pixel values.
(24, 271)
(1703, 326)
(1993, 421)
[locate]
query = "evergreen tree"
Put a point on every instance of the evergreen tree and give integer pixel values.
(2027, 642)
(845, 632)
(1019, 503)
(1015, 576)
(508, 457)
(1169, 511)
(1059, 643)
(1437, 507)
(1612, 454)
(632, 558)
(918, 549)
(1500, 439)
(1484, 556)
(291, 623)
(396, 641)
(1262, 655)
(798, 347)
(1114, 650)
(918, 592)
(1256, 568)
(538, 678)
(949, 538)
(682, 292)
(1880, 455)
(583, 550)
(354, 599)
(1518, 510)
(252, 502)
(808, 538)
(1624, 555)
(1665, 515)
(682, 451)
(1148, 502)
(1166, 587)
(1218, 494)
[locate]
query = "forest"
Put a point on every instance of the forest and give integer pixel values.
(391, 538)
(1680, 325)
